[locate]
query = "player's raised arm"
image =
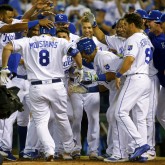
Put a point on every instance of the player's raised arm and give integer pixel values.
(97, 32)
(25, 25)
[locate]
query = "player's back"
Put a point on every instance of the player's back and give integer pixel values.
(43, 56)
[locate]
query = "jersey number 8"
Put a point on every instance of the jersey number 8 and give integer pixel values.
(149, 55)
(44, 57)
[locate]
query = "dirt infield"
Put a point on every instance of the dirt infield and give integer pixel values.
(83, 161)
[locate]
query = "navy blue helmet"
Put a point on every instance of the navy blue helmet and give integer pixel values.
(87, 45)
(45, 30)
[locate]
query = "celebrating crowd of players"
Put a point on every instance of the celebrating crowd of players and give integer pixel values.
(60, 74)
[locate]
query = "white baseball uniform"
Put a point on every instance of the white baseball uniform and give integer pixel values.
(43, 60)
(137, 89)
(116, 144)
(105, 61)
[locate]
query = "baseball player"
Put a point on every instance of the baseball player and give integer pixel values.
(116, 139)
(136, 88)
(44, 70)
(90, 102)
(105, 65)
(154, 29)
(160, 110)
(61, 20)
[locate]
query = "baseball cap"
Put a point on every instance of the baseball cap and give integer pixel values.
(142, 13)
(101, 9)
(45, 30)
(61, 18)
(87, 45)
(154, 15)
(162, 19)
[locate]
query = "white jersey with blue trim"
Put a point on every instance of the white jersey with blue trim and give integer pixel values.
(100, 45)
(104, 62)
(140, 47)
(5, 38)
(43, 56)
(73, 37)
(117, 43)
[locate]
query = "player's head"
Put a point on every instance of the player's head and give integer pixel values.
(120, 28)
(87, 47)
(86, 28)
(61, 20)
(6, 14)
(152, 18)
(162, 22)
(63, 33)
(45, 30)
(133, 22)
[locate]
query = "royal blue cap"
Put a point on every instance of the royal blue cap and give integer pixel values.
(87, 45)
(162, 19)
(45, 30)
(142, 13)
(61, 18)
(154, 15)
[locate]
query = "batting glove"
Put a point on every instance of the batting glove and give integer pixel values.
(4, 75)
(92, 77)
(79, 73)
(91, 18)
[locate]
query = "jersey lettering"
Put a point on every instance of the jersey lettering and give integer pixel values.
(44, 57)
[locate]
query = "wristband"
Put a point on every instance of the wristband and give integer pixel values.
(101, 77)
(118, 74)
(94, 24)
(33, 23)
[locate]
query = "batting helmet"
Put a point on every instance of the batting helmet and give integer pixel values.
(45, 30)
(87, 45)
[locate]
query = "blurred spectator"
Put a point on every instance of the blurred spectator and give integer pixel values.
(25, 5)
(74, 11)
(160, 5)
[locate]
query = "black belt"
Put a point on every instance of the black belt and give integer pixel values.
(45, 81)
(133, 74)
(82, 82)
(22, 77)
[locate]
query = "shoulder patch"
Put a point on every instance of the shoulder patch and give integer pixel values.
(107, 67)
(130, 47)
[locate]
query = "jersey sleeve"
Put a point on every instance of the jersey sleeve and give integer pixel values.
(2, 24)
(18, 44)
(131, 48)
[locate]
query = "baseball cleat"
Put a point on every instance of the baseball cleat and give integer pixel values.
(67, 156)
(10, 156)
(50, 158)
(76, 154)
(94, 156)
(115, 159)
(151, 156)
(3, 153)
(141, 159)
(139, 151)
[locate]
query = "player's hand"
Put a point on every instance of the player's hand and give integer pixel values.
(118, 82)
(79, 73)
(47, 13)
(90, 16)
(4, 76)
(47, 23)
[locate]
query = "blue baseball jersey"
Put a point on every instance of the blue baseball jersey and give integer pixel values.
(159, 52)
